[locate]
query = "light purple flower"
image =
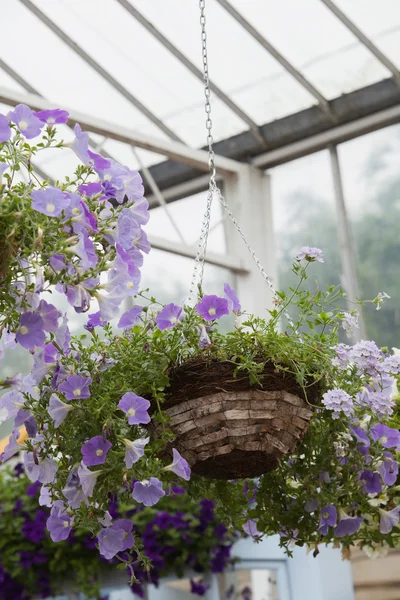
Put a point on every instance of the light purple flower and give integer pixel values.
(389, 469)
(168, 316)
(233, 300)
(371, 481)
(58, 410)
(45, 498)
(135, 407)
(94, 320)
(98, 161)
(204, 340)
(72, 489)
(387, 436)
(179, 466)
(24, 118)
(119, 280)
(51, 201)
(310, 254)
(59, 524)
(212, 307)
(31, 426)
(12, 447)
(90, 189)
(30, 331)
(338, 400)
(328, 518)
(148, 492)
(80, 145)
(342, 358)
(88, 479)
(250, 528)
(126, 262)
(111, 541)
(49, 314)
(79, 214)
(37, 469)
(63, 335)
(94, 451)
(140, 210)
(391, 365)
(360, 436)
(75, 386)
(348, 525)
(5, 131)
(86, 251)
(109, 303)
(367, 356)
(12, 402)
(350, 322)
(388, 519)
(53, 116)
(126, 526)
(134, 450)
(130, 318)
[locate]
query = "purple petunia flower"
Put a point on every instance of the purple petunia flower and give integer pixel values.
(94, 320)
(360, 436)
(179, 466)
(75, 386)
(310, 254)
(347, 525)
(389, 469)
(88, 479)
(387, 436)
(371, 481)
(58, 410)
(130, 318)
(198, 588)
(250, 528)
(5, 130)
(168, 316)
(50, 315)
(328, 518)
(43, 470)
(72, 489)
(204, 340)
(59, 523)
(135, 407)
(98, 161)
(53, 116)
(338, 400)
(51, 201)
(140, 210)
(148, 492)
(90, 189)
(388, 519)
(94, 451)
(31, 331)
(233, 300)
(45, 498)
(80, 145)
(134, 450)
(212, 307)
(311, 505)
(86, 251)
(26, 121)
(111, 541)
(12, 402)
(79, 215)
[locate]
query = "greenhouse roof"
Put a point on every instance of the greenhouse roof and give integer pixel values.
(281, 72)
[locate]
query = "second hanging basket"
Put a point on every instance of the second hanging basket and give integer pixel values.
(227, 429)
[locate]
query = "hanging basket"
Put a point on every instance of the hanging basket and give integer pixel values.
(227, 429)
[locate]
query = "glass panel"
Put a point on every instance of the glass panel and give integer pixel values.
(304, 215)
(249, 584)
(371, 180)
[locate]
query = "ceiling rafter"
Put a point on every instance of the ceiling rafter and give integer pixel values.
(99, 69)
(305, 83)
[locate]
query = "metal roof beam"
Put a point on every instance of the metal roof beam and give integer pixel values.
(175, 150)
(364, 39)
(322, 101)
(99, 69)
(191, 67)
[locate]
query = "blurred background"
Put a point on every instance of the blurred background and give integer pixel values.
(305, 120)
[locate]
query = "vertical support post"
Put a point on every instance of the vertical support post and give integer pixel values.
(248, 195)
(350, 279)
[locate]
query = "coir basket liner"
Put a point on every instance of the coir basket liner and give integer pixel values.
(227, 429)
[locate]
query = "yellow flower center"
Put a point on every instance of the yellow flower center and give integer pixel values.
(130, 285)
(76, 211)
(66, 524)
(384, 439)
(99, 452)
(173, 320)
(131, 412)
(212, 311)
(325, 515)
(22, 125)
(77, 392)
(107, 177)
(51, 120)
(50, 208)
(23, 330)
